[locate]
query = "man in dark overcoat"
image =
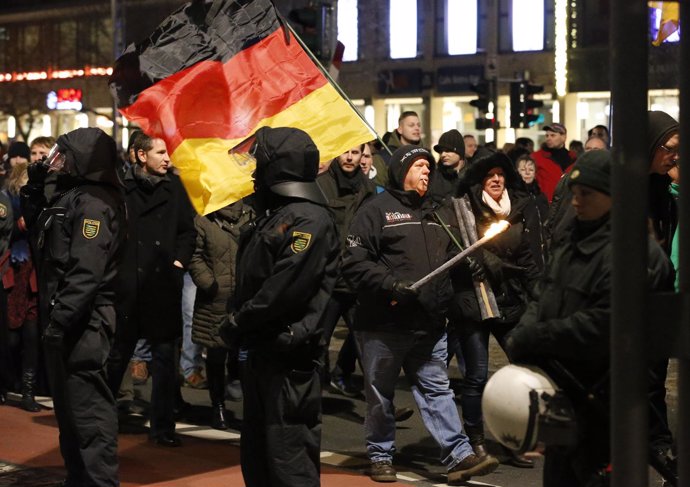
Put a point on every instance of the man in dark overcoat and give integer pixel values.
(160, 243)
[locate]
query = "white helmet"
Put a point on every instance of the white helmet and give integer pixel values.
(522, 405)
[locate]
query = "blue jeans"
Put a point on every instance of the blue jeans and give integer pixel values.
(423, 359)
(190, 358)
(474, 339)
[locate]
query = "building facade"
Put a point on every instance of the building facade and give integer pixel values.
(422, 55)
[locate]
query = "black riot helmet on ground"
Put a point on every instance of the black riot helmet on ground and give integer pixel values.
(287, 163)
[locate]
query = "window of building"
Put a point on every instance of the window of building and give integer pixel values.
(347, 28)
(461, 26)
(528, 25)
(403, 28)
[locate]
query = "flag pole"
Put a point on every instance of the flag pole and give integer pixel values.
(330, 79)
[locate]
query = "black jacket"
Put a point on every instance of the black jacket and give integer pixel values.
(78, 239)
(570, 319)
(345, 195)
(161, 230)
(396, 236)
(286, 270)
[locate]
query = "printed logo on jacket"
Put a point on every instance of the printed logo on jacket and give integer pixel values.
(396, 217)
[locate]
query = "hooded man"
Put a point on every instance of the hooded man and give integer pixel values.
(286, 270)
(394, 240)
(664, 146)
(79, 235)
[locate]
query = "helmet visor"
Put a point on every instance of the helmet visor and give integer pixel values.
(55, 160)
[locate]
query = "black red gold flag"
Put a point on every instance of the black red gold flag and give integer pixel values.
(210, 76)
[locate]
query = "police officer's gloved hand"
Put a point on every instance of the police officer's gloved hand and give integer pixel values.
(228, 332)
(402, 293)
(54, 336)
(518, 345)
(476, 268)
(37, 171)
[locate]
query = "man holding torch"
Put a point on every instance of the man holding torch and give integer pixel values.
(396, 239)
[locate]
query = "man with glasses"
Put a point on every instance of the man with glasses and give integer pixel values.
(664, 144)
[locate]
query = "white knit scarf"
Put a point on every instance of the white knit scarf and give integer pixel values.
(502, 207)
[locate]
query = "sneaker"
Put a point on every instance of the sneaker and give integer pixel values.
(403, 414)
(341, 386)
(233, 390)
(139, 371)
(382, 471)
(196, 381)
(471, 466)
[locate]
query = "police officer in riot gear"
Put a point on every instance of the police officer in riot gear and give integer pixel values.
(286, 270)
(78, 236)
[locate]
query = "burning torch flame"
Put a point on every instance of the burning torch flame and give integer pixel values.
(496, 228)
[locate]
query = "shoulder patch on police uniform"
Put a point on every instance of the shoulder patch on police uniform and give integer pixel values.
(300, 241)
(90, 228)
(3, 211)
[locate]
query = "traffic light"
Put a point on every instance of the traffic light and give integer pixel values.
(485, 103)
(483, 91)
(315, 25)
(522, 104)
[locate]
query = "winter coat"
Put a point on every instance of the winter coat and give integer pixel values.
(549, 171)
(344, 196)
(535, 223)
(160, 231)
(213, 268)
(508, 260)
(395, 236)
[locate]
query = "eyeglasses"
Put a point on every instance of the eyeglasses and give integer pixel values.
(670, 150)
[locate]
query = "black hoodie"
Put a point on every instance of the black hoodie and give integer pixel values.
(663, 210)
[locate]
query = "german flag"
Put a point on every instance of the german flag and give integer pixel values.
(210, 76)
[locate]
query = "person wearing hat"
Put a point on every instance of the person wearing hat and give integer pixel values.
(394, 240)
(553, 159)
(287, 264)
(451, 159)
(573, 328)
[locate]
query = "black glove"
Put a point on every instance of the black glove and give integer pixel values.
(228, 332)
(517, 345)
(54, 336)
(476, 268)
(402, 293)
(37, 171)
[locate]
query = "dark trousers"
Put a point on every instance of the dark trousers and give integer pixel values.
(660, 436)
(5, 363)
(281, 429)
(87, 419)
(340, 304)
(164, 387)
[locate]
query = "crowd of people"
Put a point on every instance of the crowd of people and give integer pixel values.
(105, 260)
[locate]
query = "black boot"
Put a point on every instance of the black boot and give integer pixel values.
(476, 436)
(3, 397)
(215, 376)
(218, 420)
(28, 385)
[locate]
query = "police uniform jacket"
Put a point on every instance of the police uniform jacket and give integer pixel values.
(286, 270)
(213, 268)
(160, 231)
(396, 236)
(79, 239)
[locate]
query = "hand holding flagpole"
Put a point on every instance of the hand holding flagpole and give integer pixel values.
(494, 229)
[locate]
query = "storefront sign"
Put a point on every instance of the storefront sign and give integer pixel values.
(452, 79)
(401, 81)
(64, 99)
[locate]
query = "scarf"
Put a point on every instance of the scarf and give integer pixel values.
(145, 180)
(502, 207)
